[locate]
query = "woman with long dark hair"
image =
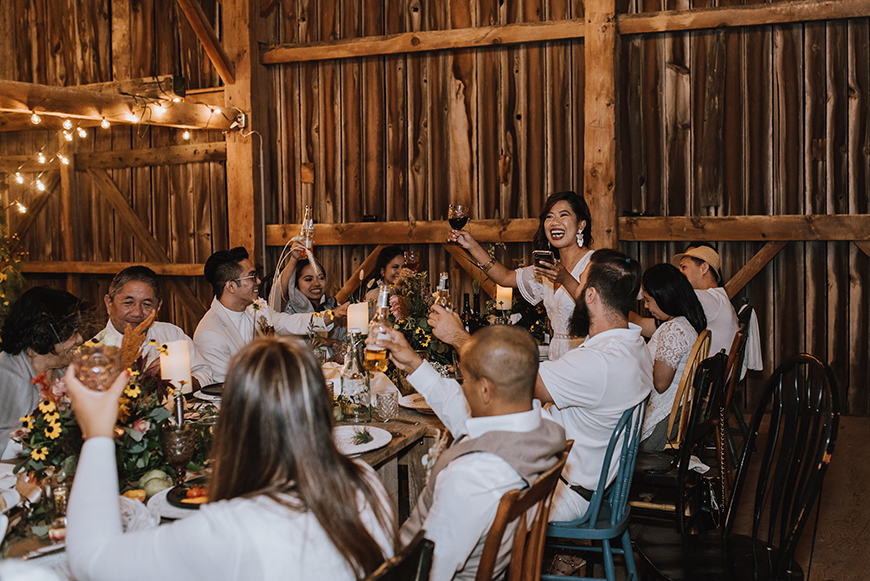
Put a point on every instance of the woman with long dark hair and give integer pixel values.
(669, 297)
(284, 503)
(387, 269)
(565, 228)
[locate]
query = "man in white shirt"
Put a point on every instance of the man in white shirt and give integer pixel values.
(592, 385)
(237, 314)
(133, 295)
(503, 441)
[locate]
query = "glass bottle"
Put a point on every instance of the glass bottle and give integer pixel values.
(478, 316)
(356, 392)
(307, 232)
(442, 293)
(467, 315)
(379, 327)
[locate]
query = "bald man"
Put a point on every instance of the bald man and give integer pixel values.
(503, 442)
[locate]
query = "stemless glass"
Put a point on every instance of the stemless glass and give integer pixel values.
(412, 260)
(387, 405)
(178, 445)
(457, 215)
(97, 367)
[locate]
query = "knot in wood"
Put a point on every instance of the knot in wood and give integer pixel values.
(415, 40)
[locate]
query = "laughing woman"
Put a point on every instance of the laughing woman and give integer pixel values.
(565, 227)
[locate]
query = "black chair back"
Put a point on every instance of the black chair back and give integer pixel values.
(413, 563)
(800, 412)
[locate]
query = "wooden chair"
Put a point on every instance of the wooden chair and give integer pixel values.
(800, 411)
(606, 519)
(682, 406)
(528, 545)
(413, 563)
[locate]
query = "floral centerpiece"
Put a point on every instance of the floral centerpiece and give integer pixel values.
(411, 304)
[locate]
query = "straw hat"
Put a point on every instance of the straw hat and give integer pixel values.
(704, 253)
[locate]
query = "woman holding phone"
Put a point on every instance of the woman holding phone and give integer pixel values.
(565, 229)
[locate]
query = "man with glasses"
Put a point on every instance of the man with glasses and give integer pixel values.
(237, 314)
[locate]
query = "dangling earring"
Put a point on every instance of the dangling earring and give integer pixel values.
(580, 238)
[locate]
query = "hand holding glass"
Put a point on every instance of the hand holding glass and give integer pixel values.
(457, 215)
(97, 367)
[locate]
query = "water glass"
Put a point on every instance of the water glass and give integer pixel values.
(387, 405)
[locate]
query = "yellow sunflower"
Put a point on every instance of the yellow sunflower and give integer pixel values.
(27, 420)
(123, 412)
(53, 431)
(52, 417)
(47, 406)
(39, 453)
(132, 391)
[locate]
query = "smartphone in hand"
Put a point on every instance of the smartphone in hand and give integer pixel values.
(543, 257)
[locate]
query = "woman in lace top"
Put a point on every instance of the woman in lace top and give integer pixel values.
(565, 227)
(669, 297)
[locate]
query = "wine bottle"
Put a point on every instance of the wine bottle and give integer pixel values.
(379, 327)
(356, 395)
(307, 232)
(467, 315)
(442, 293)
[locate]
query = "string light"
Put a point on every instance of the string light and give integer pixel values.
(104, 124)
(217, 110)
(176, 99)
(40, 157)
(67, 135)
(35, 119)
(63, 159)
(67, 124)
(21, 207)
(160, 106)
(19, 178)
(186, 134)
(132, 117)
(40, 186)
(82, 133)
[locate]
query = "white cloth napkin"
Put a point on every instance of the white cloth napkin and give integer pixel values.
(135, 516)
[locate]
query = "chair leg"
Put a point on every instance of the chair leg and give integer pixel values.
(629, 557)
(607, 554)
(738, 415)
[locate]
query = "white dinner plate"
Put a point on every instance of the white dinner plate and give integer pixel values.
(206, 397)
(344, 435)
(416, 402)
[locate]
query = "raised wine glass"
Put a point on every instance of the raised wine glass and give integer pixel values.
(178, 445)
(97, 367)
(457, 215)
(412, 260)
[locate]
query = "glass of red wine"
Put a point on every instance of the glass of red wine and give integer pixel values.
(457, 215)
(412, 260)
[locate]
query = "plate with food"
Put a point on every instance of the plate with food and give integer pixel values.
(415, 402)
(352, 440)
(191, 494)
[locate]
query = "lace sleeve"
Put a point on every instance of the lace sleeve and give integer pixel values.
(531, 289)
(673, 344)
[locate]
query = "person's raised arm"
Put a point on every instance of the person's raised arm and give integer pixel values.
(494, 269)
(448, 327)
(401, 354)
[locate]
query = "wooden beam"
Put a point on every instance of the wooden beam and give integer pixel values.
(599, 141)
(244, 187)
(410, 42)
(462, 259)
(208, 39)
(864, 245)
(267, 7)
(108, 268)
(172, 155)
(67, 183)
(78, 104)
(748, 15)
(26, 164)
(433, 232)
(353, 282)
(167, 87)
(149, 245)
(213, 96)
(745, 228)
(34, 207)
(753, 267)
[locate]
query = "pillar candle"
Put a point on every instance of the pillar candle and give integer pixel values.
(358, 317)
(503, 297)
(175, 364)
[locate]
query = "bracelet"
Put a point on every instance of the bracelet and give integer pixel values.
(487, 266)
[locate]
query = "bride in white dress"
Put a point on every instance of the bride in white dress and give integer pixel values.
(565, 228)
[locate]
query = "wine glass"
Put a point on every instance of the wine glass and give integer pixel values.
(98, 366)
(457, 215)
(178, 445)
(412, 260)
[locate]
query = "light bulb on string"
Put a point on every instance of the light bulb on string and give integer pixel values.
(67, 124)
(104, 124)
(132, 117)
(67, 135)
(176, 99)
(22, 209)
(63, 159)
(82, 132)
(40, 157)
(40, 186)
(159, 106)
(19, 178)
(35, 119)
(186, 134)
(217, 110)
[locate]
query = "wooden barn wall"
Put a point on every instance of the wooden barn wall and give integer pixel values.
(74, 42)
(399, 137)
(764, 120)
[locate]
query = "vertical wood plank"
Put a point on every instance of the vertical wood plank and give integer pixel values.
(396, 168)
(493, 163)
(122, 58)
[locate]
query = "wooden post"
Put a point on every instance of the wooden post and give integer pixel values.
(600, 112)
(244, 200)
(67, 185)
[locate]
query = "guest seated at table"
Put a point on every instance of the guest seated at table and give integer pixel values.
(591, 386)
(503, 441)
(237, 314)
(42, 330)
(284, 503)
(565, 227)
(387, 269)
(306, 292)
(669, 297)
(133, 295)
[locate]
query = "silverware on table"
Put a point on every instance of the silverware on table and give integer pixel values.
(44, 551)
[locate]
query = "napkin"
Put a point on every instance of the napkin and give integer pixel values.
(379, 382)
(135, 516)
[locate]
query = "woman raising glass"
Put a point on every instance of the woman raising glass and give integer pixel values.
(387, 269)
(565, 228)
(284, 503)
